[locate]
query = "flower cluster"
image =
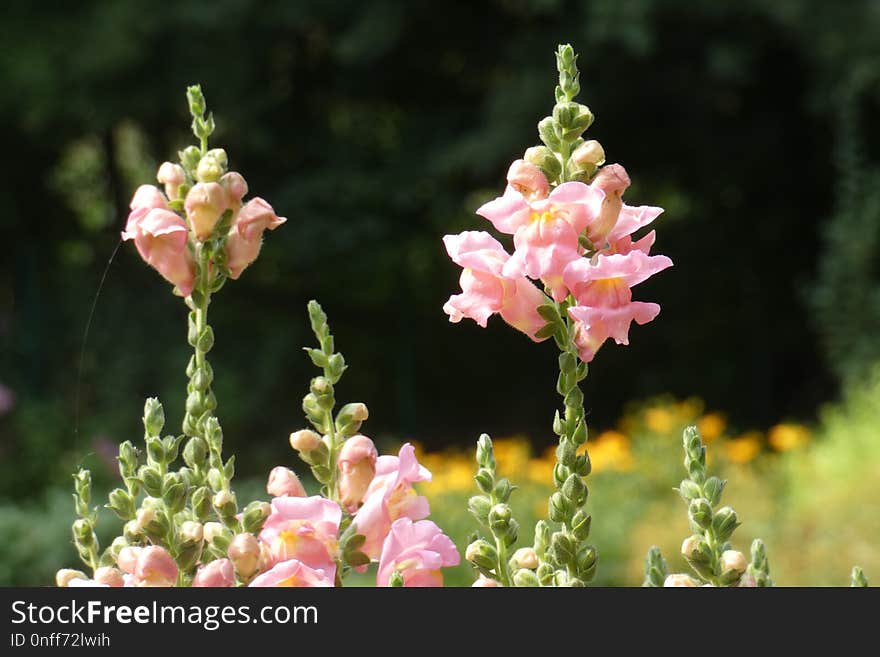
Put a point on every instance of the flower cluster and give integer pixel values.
(576, 240)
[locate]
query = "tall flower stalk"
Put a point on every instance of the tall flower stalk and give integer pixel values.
(572, 233)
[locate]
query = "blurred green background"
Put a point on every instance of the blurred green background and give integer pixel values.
(378, 127)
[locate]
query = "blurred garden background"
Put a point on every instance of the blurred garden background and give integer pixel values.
(377, 128)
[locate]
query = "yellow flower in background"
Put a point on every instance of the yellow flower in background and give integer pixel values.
(512, 455)
(659, 419)
(610, 451)
(785, 436)
(540, 470)
(711, 426)
(743, 449)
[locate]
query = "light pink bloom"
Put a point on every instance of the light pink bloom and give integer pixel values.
(630, 219)
(595, 325)
(246, 235)
(545, 231)
(155, 567)
(293, 573)
(391, 496)
(160, 237)
(86, 583)
(109, 576)
(486, 291)
(528, 180)
(417, 550)
(217, 573)
(172, 176)
(283, 481)
(148, 197)
(303, 528)
(127, 558)
(204, 204)
(236, 188)
(357, 462)
(484, 582)
(606, 281)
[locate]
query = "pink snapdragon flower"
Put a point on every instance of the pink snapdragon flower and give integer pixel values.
(305, 529)
(545, 231)
(417, 550)
(357, 465)
(155, 567)
(391, 496)
(160, 237)
(486, 291)
(283, 481)
(204, 204)
(293, 573)
(217, 573)
(172, 176)
(246, 235)
(603, 291)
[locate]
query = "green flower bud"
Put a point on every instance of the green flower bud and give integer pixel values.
(216, 479)
(575, 490)
(563, 548)
(724, 523)
(479, 506)
(201, 503)
(503, 489)
(580, 525)
(548, 131)
(485, 480)
(336, 366)
(560, 508)
(195, 452)
(543, 158)
(499, 518)
(545, 573)
(525, 577)
(485, 453)
(732, 565)
(395, 580)
(217, 535)
(565, 453)
(224, 502)
(189, 159)
(350, 418)
(700, 512)
(220, 156)
(689, 490)
(196, 100)
(151, 480)
(696, 550)
(82, 531)
(155, 449)
(209, 169)
(857, 578)
(121, 503)
(255, 515)
(481, 554)
(154, 417)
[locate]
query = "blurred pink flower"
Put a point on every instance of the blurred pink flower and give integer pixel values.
(155, 567)
(283, 481)
(417, 550)
(485, 290)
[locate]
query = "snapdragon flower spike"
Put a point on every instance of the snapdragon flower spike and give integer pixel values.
(486, 290)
